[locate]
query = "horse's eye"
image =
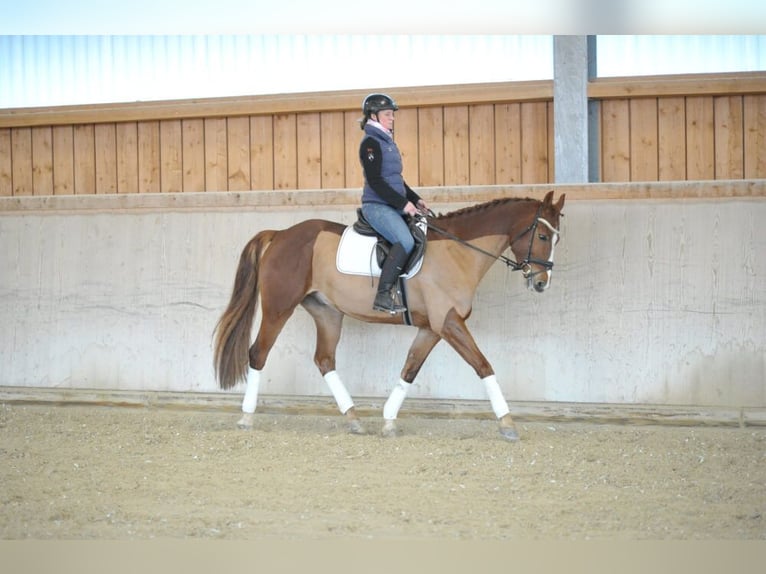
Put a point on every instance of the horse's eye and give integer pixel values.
(542, 237)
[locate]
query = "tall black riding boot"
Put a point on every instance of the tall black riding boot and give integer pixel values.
(385, 300)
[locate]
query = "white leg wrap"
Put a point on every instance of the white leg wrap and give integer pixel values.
(251, 391)
(499, 405)
(339, 391)
(395, 400)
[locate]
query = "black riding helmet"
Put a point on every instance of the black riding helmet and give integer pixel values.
(375, 103)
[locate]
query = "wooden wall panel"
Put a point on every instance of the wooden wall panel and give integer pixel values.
(127, 157)
(171, 157)
(6, 163)
(406, 137)
(754, 118)
(508, 143)
(643, 139)
(238, 153)
(697, 130)
(148, 157)
(106, 158)
(615, 140)
(63, 160)
(332, 153)
(216, 159)
(457, 166)
(534, 143)
(700, 146)
(309, 151)
(84, 159)
(262, 152)
(551, 144)
(431, 145)
(193, 155)
(482, 144)
(729, 136)
(671, 139)
(285, 152)
(42, 160)
(352, 139)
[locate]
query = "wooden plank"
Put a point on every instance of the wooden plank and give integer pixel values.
(671, 147)
(729, 137)
(238, 150)
(482, 144)
(615, 141)
(678, 85)
(353, 137)
(285, 152)
(262, 152)
(456, 146)
(127, 157)
(333, 151)
(508, 143)
(216, 155)
(63, 160)
(84, 159)
(193, 159)
(755, 136)
(643, 139)
(171, 156)
(106, 158)
(309, 151)
(6, 166)
(431, 145)
(149, 157)
(406, 137)
(700, 145)
(534, 142)
(551, 144)
(345, 101)
(42, 160)
(706, 190)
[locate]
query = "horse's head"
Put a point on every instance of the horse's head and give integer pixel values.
(535, 245)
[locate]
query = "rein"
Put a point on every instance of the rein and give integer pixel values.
(524, 266)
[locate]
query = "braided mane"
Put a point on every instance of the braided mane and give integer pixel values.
(479, 207)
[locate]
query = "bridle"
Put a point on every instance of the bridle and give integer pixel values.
(526, 265)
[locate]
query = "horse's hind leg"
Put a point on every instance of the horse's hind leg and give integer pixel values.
(329, 322)
(271, 325)
(419, 350)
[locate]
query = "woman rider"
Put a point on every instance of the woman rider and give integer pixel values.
(386, 196)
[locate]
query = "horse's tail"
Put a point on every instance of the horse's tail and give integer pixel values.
(232, 333)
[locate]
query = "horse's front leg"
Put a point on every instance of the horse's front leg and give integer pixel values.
(455, 332)
(419, 350)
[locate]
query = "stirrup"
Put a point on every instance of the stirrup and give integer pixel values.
(386, 301)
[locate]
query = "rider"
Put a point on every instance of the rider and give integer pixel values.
(386, 196)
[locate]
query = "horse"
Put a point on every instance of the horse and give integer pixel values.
(296, 266)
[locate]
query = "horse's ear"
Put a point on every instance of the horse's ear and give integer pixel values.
(548, 199)
(560, 203)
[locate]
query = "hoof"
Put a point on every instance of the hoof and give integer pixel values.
(509, 434)
(246, 422)
(355, 427)
(389, 429)
(508, 429)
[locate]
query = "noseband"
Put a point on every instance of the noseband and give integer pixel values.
(526, 265)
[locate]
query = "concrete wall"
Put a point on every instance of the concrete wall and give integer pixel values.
(654, 300)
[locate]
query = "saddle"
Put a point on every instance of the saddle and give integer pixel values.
(383, 246)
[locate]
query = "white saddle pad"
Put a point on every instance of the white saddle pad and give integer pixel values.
(356, 255)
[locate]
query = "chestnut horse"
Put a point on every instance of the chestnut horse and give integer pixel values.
(296, 266)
